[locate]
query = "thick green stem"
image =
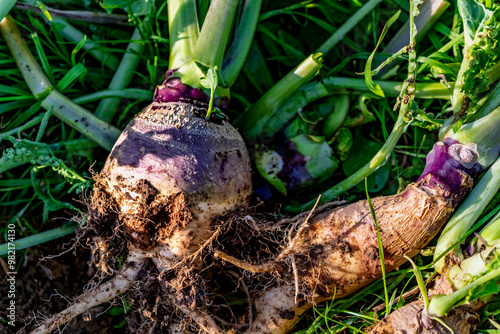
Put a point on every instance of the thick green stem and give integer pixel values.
(122, 77)
(440, 304)
(36, 80)
(130, 93)
(77, 117)
(254, 120)
(335, 85)
(5, 7)
(347, 26)
(82, 120)
(238, 51)
(253, 124)
(406, 98)
(484, 133)
(211, 44)
(466, 215)
(378, 160)
(183, 31)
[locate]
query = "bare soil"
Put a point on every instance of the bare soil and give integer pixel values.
(45, 287)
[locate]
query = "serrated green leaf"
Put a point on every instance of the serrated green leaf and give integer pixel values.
(489, 288)
(474, 15)
(375, 88)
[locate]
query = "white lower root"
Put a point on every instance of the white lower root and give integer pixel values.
(121, 283)
(103, 293)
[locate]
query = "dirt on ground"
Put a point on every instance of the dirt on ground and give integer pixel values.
(48, 277)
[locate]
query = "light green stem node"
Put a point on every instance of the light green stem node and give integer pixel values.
(5, 7)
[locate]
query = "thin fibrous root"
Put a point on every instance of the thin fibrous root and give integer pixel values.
(259, 268)
(271, 265)
(249, 297)
(119, 284)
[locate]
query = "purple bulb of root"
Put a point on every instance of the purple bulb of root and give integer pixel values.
(172, 173)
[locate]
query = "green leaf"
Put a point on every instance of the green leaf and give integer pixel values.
(117, 310)
(210, 81)
(320, 162)
(73, 74)
(420, 281)
(76, 49)
(380, 249)
(489, 288)
(43, 58)
(375, 88)
(256, 70)
(474, 15)
(343, 142)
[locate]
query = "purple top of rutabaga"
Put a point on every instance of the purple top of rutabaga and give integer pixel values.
(446, 165)
(174, 90)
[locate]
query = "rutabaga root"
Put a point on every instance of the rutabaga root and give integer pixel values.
(168, 179)
(105, 292)
(411, 319)
(337, 253)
